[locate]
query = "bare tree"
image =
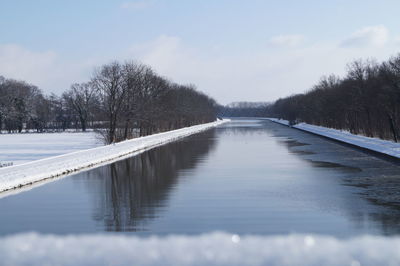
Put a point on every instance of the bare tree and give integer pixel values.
(366, 101)
(108, 81)
(81, 98)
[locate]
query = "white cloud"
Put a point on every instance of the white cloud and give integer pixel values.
(20, 63)
(287, 40)
(136, 5)
(368, 36)
(167, 54)
(251, 75)
(248, 76)
(165, 49)
(44, 69)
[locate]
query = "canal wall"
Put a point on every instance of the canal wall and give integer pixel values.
(383, 147)
(29, 173)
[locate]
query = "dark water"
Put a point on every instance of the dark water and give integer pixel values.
(246, 177)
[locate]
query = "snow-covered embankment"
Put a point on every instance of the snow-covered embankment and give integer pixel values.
(373, 144)
(28, 173)
(20, 148)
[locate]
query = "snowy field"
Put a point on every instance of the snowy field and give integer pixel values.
(382, 146)
(26, 147)
(209, 249)
(35, 171)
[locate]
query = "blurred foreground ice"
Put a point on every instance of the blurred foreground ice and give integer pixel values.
(207, 249)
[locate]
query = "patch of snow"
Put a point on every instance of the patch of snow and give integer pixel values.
(208, 249)
(374, 144)
(31, 172)
(26, 147)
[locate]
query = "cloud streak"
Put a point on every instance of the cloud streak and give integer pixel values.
(376, 36)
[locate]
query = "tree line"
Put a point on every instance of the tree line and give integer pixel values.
(365, 101)
(243, 109)
(122, 100)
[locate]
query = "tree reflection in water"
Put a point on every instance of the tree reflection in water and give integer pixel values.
(131, 192)
(375, 178)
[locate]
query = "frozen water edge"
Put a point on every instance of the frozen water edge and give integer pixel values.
(208, 249)
(386, 147)
(20, 175)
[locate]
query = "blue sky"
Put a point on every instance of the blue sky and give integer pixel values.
(233, 50)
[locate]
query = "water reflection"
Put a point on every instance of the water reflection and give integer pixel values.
(131, 192)
(345, 168)
(377, 178)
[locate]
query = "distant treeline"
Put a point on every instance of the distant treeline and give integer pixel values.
(123, 100)
(244, 109)
(366, 101)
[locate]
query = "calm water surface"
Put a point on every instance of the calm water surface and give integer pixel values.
(246, 177)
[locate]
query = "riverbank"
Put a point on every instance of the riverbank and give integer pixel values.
(384, 147)
(25, 174)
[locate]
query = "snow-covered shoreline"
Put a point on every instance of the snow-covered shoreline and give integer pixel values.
(384, 147)
(20, 175)
(207, 249)
(22, 148)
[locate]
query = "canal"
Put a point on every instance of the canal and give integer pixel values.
(245, 177)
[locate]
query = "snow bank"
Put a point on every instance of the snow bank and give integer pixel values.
(209, 249)
(26, 147)
(377, 145)
(28, 173)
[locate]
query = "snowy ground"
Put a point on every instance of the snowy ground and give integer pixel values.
(35, 171)
(26, 147)
(209, 249)
(382, 146)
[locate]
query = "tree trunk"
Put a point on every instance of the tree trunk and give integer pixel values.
(83, 124)
(393, 128)
(126, 129)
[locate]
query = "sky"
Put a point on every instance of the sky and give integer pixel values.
(233, 50)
